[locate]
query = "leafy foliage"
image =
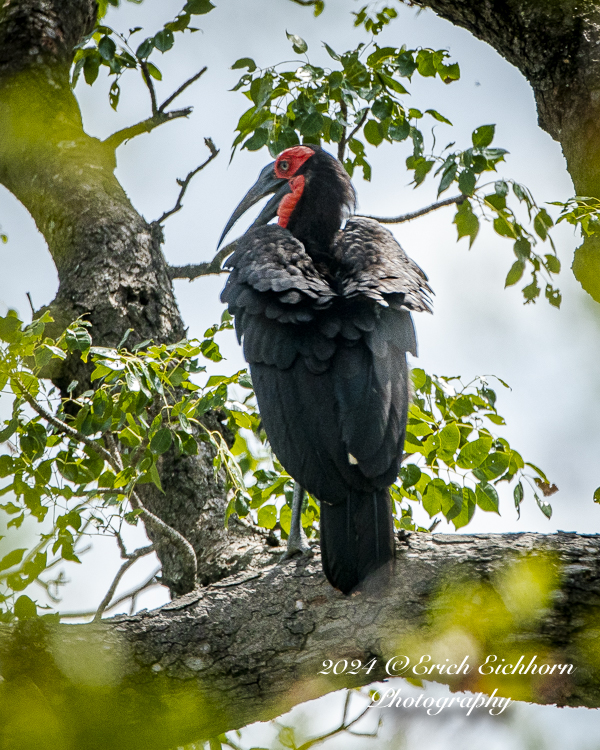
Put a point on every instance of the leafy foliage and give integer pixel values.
(359, 103)
(448, 434)
(74, 462)
(109, 48)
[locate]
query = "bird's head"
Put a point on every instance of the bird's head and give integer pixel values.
(309, 185)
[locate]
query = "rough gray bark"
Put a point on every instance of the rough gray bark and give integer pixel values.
(109, 261)
(251, 647)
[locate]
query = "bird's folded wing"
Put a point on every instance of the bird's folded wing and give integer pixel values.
(272, 291)
(374, 265)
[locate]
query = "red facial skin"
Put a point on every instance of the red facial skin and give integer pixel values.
(286, 166)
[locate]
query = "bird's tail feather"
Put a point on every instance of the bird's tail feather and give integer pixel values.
(356, 538)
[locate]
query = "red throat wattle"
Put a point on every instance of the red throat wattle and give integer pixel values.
(287, 164)
(288, 204)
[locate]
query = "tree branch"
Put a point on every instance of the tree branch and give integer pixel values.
(131, 559)
(233, 659)
(458, 199)
(194, 270)
(159, 116)
(146, 126)
(181, 89)
(132, 594)
(214, 152)
(148, 81)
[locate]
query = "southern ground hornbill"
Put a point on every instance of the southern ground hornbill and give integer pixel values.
(325, 322)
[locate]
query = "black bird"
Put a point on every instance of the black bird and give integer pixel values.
(325, 322)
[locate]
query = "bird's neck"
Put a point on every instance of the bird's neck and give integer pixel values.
(319, 212)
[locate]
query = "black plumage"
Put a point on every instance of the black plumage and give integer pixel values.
(324, 318)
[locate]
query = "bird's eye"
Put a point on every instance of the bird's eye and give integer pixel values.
(284, 165)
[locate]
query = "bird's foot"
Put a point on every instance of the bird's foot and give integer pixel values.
(297, 546)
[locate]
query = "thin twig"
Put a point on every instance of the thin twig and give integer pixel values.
(343, 727)
(343, 140)
(181, 89)
(358, 126)
(214, 152)
(194, 270)
(30, 303)
(148, 80)
(189, 562)
(149, 582)
(458, 199)
(146, 126)
(131, 559)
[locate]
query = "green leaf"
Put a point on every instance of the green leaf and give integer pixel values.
(12, 558)
(10, 327)
(107, 48)
(332, 52)
(434, 495)
(145, 48)
(25, 608)
(91, 67)
(487, 497)
(198, 7)
(164, 40)
(161, 441)
(493, 466)
(312, 124)
(504, 227)
(516, 271)
(437, 116)
(298, 44)
(244, 62)
(410, 475)
(267, 516)
(258, 140)
(473, 454)
(553, 263)
(157, 75)
(78, 339)
(447, 177)
(518, 496)
(373, 133)
(468, 509)
(483, 135)
(467, 223)
(449, 440)
(466, 181)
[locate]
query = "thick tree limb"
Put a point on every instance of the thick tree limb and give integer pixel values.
(228, 660)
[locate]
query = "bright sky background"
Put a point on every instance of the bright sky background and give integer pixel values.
(547, 356)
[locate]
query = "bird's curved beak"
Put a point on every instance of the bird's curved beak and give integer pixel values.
(266, 184)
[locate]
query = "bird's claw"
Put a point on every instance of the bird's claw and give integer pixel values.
(297, 547)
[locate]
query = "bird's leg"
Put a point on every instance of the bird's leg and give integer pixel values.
(297, 542)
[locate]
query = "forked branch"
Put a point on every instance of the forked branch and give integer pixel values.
(159, 115)
(214, 152)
